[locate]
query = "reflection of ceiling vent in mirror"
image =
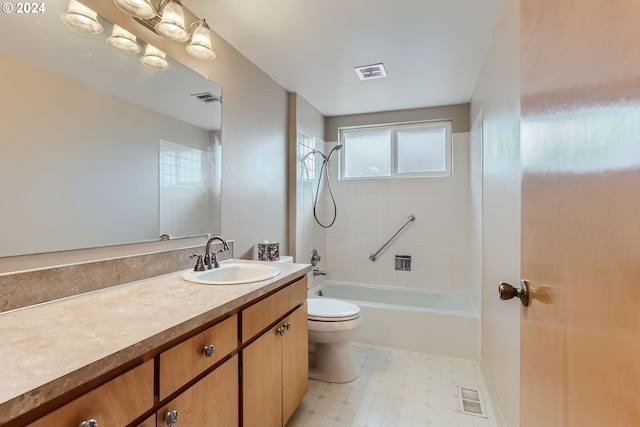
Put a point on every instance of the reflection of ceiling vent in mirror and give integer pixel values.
(207, 97)
(367, 72)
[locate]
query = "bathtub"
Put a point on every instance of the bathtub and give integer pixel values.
(443, 323)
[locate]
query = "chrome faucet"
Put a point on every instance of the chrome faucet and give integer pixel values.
(317, 272)
(211, 259)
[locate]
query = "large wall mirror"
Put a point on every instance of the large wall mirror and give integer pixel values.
(93, 142)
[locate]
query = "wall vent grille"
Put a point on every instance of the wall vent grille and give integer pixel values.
(470, 402)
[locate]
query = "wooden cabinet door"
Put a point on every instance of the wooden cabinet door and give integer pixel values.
(211, 402)
(262, 381)
(295, 362)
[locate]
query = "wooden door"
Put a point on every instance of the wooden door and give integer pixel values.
(295, 362)
(262, 381)
(580, 99)
(211, 402)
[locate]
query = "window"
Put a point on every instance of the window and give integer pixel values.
(404, 150)
(306, 157)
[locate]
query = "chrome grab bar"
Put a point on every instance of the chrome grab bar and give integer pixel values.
(374, 256)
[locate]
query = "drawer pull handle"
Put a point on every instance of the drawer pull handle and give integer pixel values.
(287, 325)
(208, 350)
(171, 418)
(281, 330)
(89, 423)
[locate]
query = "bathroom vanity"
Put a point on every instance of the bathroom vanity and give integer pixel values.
(159, 352)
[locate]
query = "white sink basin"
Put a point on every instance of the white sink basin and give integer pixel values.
(232, 274)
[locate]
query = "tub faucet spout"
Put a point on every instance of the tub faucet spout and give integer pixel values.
(317, 272)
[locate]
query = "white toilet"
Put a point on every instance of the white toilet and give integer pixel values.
(332, 326)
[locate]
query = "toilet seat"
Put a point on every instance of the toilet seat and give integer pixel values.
(331, 310)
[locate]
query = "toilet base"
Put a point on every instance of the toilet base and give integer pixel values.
(333, 363)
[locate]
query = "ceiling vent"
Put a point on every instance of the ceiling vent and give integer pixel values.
(367, 72)
(206, 97)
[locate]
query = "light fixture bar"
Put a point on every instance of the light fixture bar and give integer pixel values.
(168, 20)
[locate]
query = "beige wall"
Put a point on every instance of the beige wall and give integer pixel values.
(498, 93)
(459, 113)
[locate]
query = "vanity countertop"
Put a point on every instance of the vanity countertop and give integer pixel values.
(49, 349)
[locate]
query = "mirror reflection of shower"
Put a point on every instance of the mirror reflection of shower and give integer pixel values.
(324, 169)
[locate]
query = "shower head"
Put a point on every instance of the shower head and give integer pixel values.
(336, 148)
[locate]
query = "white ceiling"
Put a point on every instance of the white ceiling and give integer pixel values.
(433, 50)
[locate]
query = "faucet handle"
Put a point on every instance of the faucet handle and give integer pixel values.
(214, 259)
(199, 263)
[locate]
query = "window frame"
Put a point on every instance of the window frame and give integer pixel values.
(447, 124)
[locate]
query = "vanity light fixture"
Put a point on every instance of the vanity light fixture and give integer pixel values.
(154, 58)
(81, 18)
(138, 8)
(200, 46)
(123, 41)
(172, 23)
(167, 18)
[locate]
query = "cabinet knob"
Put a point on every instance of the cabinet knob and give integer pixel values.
(171, 418)
(89, 423)
(281, 330)
(287, 325)
(208, 350)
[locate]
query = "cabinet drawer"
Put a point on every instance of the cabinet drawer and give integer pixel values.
(185, 361)
(212, 402)
(115, 403)
(260, 315)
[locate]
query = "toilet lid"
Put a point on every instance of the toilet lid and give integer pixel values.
(332, 310)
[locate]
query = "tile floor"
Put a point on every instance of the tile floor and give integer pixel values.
(395, 388)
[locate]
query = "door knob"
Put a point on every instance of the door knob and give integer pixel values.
(521, 291)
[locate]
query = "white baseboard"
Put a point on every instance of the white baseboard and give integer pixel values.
(491, 393)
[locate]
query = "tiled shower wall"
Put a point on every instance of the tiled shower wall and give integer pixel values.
(310, 235)
(371, 211)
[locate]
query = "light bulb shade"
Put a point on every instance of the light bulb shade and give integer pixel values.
(154, 58)
(172, 23)
(201, 45)
(81, 18)
(123, 41)
(138, 8)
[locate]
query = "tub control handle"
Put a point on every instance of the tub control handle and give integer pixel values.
(521, 291)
